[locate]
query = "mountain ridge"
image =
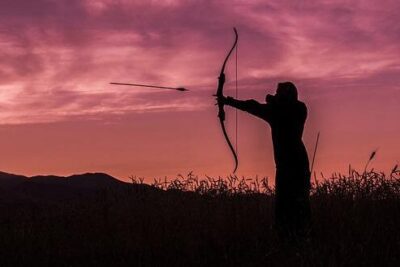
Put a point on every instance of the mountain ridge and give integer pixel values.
(53, 187)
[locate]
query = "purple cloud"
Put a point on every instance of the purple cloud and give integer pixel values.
(55, 52)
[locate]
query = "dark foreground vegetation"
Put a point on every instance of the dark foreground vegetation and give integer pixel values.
(188, 222)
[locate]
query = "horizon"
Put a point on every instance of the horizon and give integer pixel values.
(60, 115)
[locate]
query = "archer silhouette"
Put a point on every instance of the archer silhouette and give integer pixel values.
(286, 116)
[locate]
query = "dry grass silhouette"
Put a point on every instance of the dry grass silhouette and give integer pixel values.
(202, 222)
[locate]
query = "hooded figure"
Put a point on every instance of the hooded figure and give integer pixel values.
(286, 116)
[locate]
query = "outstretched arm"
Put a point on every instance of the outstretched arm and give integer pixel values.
(251, 106)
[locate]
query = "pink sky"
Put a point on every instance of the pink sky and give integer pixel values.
(59, 115)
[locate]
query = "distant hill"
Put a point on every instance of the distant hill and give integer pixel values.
(18, 187)
(8, 180)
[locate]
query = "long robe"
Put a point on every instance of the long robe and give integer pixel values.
(292, 181)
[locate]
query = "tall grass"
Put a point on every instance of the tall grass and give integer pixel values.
(229, 185)
(189, 221)
(355, 185)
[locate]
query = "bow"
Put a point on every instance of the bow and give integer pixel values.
(219, 94)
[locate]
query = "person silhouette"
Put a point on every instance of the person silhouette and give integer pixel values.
(286, 116)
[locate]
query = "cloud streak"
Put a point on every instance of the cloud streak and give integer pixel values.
(82, 45)
(58, 58)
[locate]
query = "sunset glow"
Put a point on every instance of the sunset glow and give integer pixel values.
(59, 114)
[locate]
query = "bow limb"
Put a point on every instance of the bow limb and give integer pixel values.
(219, 94)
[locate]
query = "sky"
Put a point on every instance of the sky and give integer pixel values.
(59, 114)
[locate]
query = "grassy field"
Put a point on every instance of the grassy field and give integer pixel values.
(192, 222)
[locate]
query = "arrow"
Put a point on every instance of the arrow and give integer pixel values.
(315, 152)
(182, 89)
